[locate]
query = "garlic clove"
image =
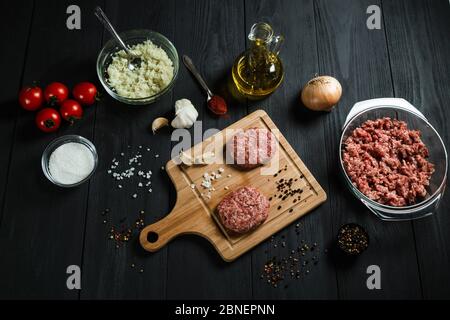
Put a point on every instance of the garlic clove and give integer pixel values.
(185, 159)
(158, 123)
(208, 157)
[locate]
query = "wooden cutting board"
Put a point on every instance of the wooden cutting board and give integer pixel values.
(194, 211)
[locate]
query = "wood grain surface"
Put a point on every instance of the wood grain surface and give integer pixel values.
(195, 208)
(44, 229)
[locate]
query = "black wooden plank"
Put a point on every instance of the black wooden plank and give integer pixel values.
(15, 29)
(358, 57)
(419, 46)
(42, 227)
(305, 131)
(211, 33)
(108, 271)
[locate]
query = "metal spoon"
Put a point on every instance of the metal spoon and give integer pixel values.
(190, 65)
(134, 61)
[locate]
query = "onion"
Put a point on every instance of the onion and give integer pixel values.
(321, 93)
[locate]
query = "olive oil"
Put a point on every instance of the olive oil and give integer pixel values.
(259, 71)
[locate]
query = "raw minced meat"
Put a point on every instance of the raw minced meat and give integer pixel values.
(388, 162)
(252, 147)
(243, 209)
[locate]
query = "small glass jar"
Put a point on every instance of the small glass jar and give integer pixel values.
(59, 142)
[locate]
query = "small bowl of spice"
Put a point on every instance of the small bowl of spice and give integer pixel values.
(352, 239)
(69, 161)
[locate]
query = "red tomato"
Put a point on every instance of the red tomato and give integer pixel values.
(71, 111)
(30, 98)
(85, 93)
(48, 120)
(55, 93)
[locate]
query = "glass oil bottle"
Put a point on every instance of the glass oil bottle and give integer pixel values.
(258, 72)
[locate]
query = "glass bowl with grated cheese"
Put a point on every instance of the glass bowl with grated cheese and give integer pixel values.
(154, 78)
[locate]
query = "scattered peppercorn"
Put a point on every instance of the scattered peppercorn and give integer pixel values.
(278, 269)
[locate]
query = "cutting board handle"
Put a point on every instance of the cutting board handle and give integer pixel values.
(155, 236)
(183, 219)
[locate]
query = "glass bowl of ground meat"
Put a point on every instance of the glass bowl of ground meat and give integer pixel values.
(394, 161)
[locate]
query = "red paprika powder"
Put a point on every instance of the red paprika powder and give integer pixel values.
(217, 105)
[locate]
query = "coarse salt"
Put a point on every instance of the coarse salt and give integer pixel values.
(71, 163)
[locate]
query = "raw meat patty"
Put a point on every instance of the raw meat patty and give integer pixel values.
(251, 148)
(243, 210)
(388, 162)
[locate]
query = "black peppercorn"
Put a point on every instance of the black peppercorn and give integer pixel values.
(352, 239)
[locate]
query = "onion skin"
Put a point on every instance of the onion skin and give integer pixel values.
(321, 93)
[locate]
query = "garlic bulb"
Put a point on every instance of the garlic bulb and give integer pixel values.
(185, 114)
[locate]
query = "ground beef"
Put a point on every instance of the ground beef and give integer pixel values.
(252, 147)
(243, 210)
(387, 162)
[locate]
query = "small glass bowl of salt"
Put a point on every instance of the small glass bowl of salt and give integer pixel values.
(70, 160)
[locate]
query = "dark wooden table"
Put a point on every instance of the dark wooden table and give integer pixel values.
(44, 229)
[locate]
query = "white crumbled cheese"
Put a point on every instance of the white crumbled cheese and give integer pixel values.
(193, 186)
(71, 163)
(206, 184)
(154, 74)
